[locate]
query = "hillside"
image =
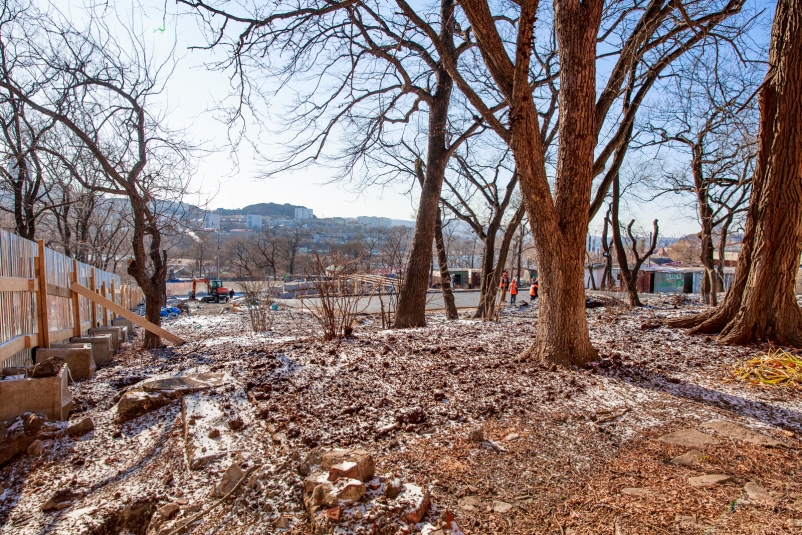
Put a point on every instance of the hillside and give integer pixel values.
(269, 209)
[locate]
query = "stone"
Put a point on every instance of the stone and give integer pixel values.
(33, 422)
(347, 470)
(128, 324)
(236, 424)
(511, 437)
(77, 356)
(182, 501)
(689, 458)
(416, 500)
(689, 522)
(393, 488)
(175, 387)
(690, 438)
(168, 511)
(62, 499)
(333, 513)
(636, 491)
(313, 480)
(731, 430)
(102, 349)
(117, 335)
(756, 493)
(322, 495)
(281, 522)
(48, 367)
(476, 435)
(358, 515)
(348, 491)
(37, 447)
(14, 439)
(470, 503)
(81, 428)
(501, 507)
(230, 478)
(708, 480)
(362, 458)
(214, 433)
(136, 403)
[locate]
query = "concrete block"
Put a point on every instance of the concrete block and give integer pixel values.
(101, 347)
(117, 334)
(78, 356)
(121, 322)
(48, 395)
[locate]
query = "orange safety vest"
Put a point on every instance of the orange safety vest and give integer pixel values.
(513, 288)
(533, 290)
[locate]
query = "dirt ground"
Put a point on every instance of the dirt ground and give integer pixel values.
(563, 451)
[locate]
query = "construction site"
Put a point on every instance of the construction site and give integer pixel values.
(337, 267)
(264, 418)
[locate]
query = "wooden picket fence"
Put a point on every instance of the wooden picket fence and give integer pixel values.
(38, 303)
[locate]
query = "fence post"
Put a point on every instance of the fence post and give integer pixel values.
(41, 297)
(76, 302)
(105, 312)
(93, 306)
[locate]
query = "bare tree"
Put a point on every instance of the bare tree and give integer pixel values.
(629, 276)
(100, 88)
(761, 304)
(708, 115)
(474, 195)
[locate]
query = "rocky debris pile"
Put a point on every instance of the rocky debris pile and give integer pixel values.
(342, 494)
(32, 433)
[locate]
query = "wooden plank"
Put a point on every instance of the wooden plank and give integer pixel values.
(17, 284)
(127, 314)
(59, 291)
(93, 308)
(85, 325)
(63, 334)
(76, 301)
(15, 345)
(103, 310)
(41, 297)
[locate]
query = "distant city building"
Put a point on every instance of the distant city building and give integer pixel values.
(375, 222)
(253, 222)
(303, 213)
(211, 221)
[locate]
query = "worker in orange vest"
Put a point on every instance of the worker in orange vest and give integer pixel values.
(503, 286)
(513, 291)
(533, 291)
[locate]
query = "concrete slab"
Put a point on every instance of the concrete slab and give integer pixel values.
(117, 335)
(101, 347)
(122, 322)
(78, 356)
(48, 395)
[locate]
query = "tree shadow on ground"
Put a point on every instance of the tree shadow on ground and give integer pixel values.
(767, 413)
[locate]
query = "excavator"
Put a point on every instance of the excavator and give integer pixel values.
(216, 291)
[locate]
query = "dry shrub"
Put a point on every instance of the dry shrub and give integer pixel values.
(259, 301)
(336, 301)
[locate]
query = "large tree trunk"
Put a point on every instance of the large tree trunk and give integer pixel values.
(761, 304)
(445, 275)
(148, 257)
(559, 223)
(411, 311)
